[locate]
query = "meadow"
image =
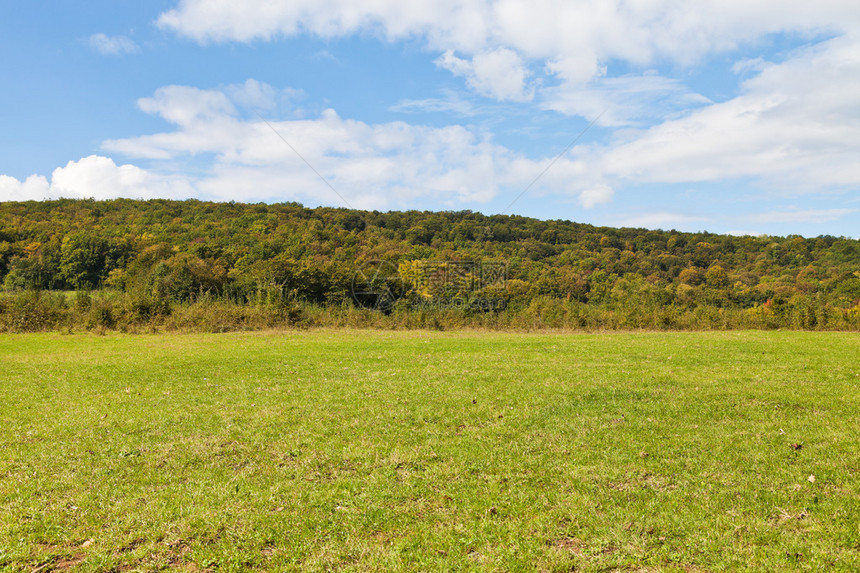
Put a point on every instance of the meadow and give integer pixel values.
(359, 450)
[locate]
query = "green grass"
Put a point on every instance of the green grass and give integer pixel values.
(385, 451)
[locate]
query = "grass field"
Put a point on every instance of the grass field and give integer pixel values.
(426, 451)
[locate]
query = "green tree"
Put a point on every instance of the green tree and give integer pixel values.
(717, 277)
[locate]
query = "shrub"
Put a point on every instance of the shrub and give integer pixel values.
(33, 311)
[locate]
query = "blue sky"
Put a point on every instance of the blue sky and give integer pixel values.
(730, 117)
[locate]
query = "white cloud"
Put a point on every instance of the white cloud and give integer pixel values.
(113, 45)
(449, 103)
(185, 105)
(499, 74)
(207, 116)
(573, 38)
(599, 195)
(623, 100)
(749, 65)
(383, 165)
(207, 21)
(96, 177)
(256, 94)
(794, 127)
(100, 178)
(632, 30)
(34, 188)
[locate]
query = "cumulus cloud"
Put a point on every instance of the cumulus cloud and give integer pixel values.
(186, 105)
(113, 45)
(595, 196)
(100, 178)
(95, 177)
(34, 188)
(794, 126)
(383, 165)
(499, 74)
(627, 29)
(254, 94)
(572, 39)
(213, 21)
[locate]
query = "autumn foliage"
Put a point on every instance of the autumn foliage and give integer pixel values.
(221, 266)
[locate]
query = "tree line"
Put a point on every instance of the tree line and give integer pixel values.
(129, 264)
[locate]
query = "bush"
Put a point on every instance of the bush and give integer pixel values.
(101, 316)
(33, 311)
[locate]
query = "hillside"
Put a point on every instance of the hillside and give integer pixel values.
(159, 254)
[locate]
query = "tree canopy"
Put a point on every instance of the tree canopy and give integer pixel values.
(176, 251)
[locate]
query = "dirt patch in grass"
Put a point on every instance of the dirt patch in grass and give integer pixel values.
(66, 564)
(569, 545)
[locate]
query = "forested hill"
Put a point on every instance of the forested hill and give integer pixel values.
(181, 249)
